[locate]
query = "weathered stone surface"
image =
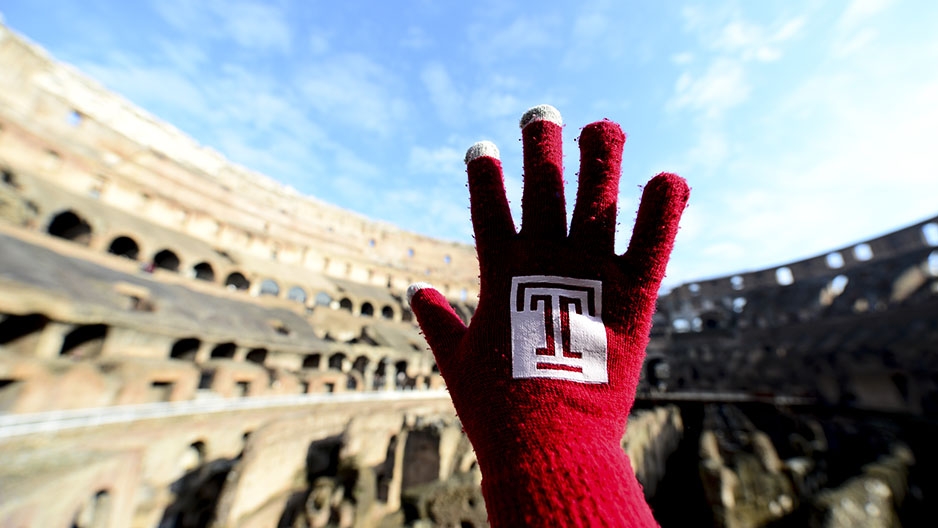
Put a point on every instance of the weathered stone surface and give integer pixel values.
(649, 440)
(871, 499)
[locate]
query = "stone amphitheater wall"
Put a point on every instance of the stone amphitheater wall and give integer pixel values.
(60, 127)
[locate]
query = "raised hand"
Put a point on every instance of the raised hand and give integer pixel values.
(545, 375)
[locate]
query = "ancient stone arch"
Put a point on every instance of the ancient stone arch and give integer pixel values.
(166, 259)
(269, 287)
(203, 271)
(124, 246)
(312, 361)
(185, 349)
(85, 341)
(257, 355)
(21, 332)
(322, 299)
(297, 293)
(224, 351)
(338, 361)
(70, 226)
(237, 281)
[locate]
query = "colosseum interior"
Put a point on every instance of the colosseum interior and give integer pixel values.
(184, 342)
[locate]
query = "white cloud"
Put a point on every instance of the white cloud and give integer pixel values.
(720, 88)
(256, 25)
(526, 34)
(446, 98)
(860, 11)
(354, 90)
(682, 58)
(439, 161)
(853, 32)
(416, 39)
(154, 87)
(252, 25)
(185, 57)
(711, 149)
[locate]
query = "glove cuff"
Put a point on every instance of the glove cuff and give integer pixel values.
(563, 484)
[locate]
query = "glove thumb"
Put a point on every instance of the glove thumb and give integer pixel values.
(441, 327)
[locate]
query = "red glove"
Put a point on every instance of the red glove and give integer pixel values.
(545, 375)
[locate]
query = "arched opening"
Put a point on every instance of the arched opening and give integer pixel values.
(712, 320)
(203, 271)
(70, 226)
(901, 381)
(346, 304)
(7, 176)
(337, 361)
(360, 364)
(193, 456)
(95, 512)
(311, 361)
(657, 373)
(185, 349)
(124, 246)
(863, 252)
(387, 312)
(166, 260)
(737, 282)
(930, 233)
(297, 294)
(237, 281)
(838, 284)
(223, 351)
(323, 299)
(784, 276)
(381, 372)
(269, 287)
(15, 327)
(258, 355)
(367, 310)
(835, 260)
(84, 341)
(401, 379)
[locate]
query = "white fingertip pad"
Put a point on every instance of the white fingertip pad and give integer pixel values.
(542, 113)
(414, 288)
(482, 148)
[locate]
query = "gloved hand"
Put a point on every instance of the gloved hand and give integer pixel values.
(545, 375)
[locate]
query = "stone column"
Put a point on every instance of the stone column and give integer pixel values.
(241, 353)
(51, 339)
(368, 376)
(397, 474)
(205, 352)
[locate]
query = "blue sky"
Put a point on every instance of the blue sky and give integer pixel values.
(800, 125)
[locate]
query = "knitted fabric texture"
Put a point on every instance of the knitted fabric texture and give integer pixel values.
(548, 438)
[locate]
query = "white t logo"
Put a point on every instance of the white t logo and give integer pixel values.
(557, 329)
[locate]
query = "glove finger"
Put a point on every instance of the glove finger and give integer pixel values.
(441, 327)
(542, 202)
(491, 216)
(594, 217)
(663, 203)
